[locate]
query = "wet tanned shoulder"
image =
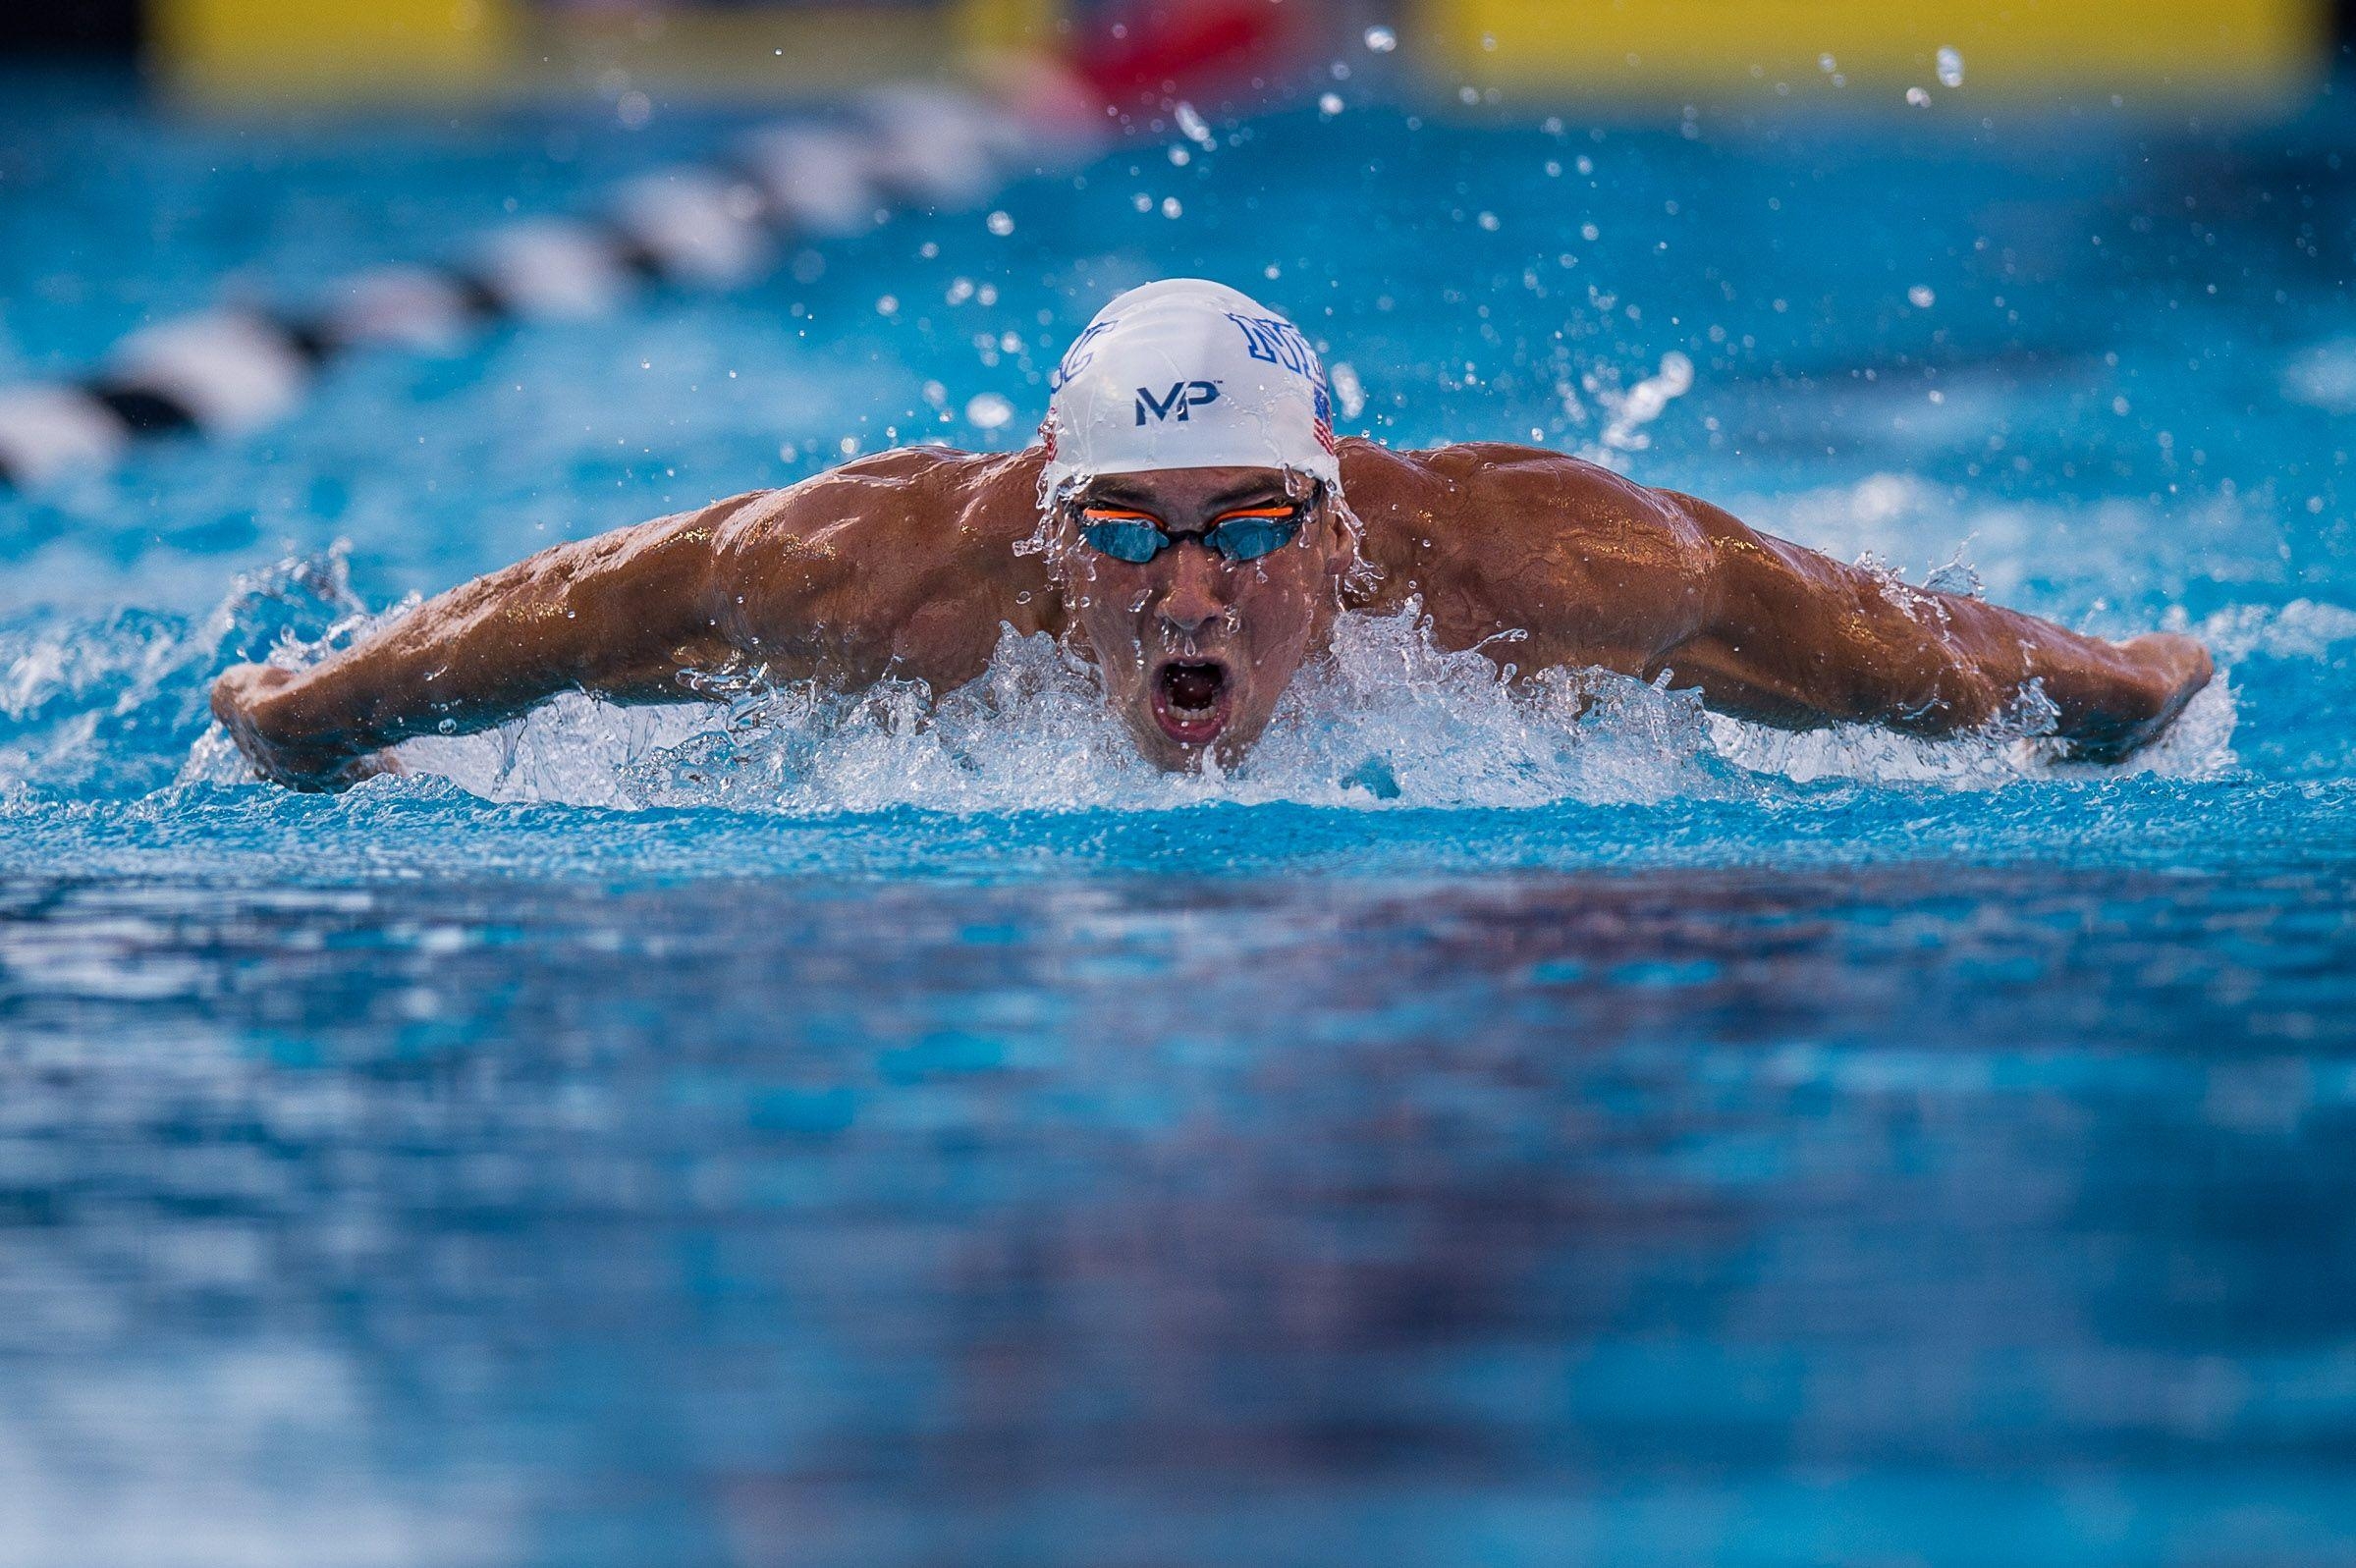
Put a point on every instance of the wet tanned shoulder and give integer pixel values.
(1573, 563)
(902, 564)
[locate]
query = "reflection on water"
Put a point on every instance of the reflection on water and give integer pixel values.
(1754, 1217)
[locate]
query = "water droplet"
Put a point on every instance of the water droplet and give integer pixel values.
(1171, 207)
(1950, 67)
(1382, 40)
(1921, 297)
(1330, 104)
(1348, 391)
(1001, 224)
(988, 412)
(1918, 98)
(1193, 125)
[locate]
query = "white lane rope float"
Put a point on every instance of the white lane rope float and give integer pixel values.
(234, 369)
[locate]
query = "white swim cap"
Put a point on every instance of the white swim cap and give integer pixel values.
(1188, 374)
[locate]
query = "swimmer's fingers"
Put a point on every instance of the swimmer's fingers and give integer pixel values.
(2181, 662)
(248, 700)
(2178, 669)
(237, 688)
(2170, 671)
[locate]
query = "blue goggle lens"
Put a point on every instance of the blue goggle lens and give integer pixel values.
(1133, 542)
(1238, 539)
(1250, 538)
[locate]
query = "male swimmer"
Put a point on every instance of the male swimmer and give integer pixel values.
(1191, 525)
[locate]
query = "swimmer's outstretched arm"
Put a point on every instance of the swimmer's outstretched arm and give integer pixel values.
(902, 562)
(619, 614)
(1796, 640)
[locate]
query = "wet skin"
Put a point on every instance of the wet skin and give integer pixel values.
(1194, 650)
(908, 565)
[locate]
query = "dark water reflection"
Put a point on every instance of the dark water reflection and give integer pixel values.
(1914, 1213)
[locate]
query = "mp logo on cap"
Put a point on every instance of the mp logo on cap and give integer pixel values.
(1182, 400)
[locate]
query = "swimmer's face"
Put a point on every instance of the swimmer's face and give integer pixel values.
(1195, 648)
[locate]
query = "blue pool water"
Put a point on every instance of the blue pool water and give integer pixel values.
(813, 1134)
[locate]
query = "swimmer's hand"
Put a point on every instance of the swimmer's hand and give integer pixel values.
(251, 701)
(2168, 671)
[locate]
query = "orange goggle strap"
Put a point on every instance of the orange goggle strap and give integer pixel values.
(1117, 514)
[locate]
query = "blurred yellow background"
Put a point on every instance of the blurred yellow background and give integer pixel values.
(1716, 47)
(1659, 49)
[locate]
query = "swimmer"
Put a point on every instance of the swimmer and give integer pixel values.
(1188, 523)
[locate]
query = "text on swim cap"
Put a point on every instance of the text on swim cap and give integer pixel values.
(1183, 399)
(1080, 354)
(1279, 341)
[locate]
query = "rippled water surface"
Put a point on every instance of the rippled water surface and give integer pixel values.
(840, 1132)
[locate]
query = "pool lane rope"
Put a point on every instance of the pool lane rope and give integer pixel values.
(234, 369)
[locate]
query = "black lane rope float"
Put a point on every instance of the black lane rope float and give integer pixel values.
(232, 369)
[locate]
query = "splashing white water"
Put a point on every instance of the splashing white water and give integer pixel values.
(1350, 393)
(2299, 630)
(1386, 719)
(1196, 128)
(1627, 412)
(116, 707)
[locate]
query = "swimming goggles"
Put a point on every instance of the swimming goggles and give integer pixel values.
(1136, 537)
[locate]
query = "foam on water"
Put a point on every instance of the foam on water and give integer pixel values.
(1388, 719)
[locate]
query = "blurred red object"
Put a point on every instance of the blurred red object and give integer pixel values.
(1158, 49)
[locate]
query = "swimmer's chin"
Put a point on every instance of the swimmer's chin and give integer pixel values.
(1166, 751)
(1219, 756)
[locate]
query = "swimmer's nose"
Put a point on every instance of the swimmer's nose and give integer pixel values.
(1194, 598)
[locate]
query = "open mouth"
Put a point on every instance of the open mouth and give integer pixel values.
(1190, 700)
